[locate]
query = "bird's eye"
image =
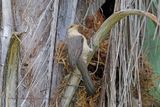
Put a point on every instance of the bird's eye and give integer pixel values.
(71, 26)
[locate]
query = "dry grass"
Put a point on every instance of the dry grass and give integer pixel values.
(146, 82)
(96, 67)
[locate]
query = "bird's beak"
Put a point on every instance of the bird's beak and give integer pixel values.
(73, 26)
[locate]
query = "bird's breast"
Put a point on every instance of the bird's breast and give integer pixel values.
(86, 50)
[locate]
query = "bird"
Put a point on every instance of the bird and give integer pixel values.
(78, 50)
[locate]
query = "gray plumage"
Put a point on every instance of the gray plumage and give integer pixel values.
(74, 51)
(78, 50)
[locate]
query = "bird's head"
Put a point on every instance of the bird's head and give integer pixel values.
(74, 26)
(73, 30)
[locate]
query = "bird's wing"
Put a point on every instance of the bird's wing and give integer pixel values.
(75, 46)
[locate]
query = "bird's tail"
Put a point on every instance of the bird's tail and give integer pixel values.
(82, 66)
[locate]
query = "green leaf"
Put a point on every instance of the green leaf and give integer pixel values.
(152, 50)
